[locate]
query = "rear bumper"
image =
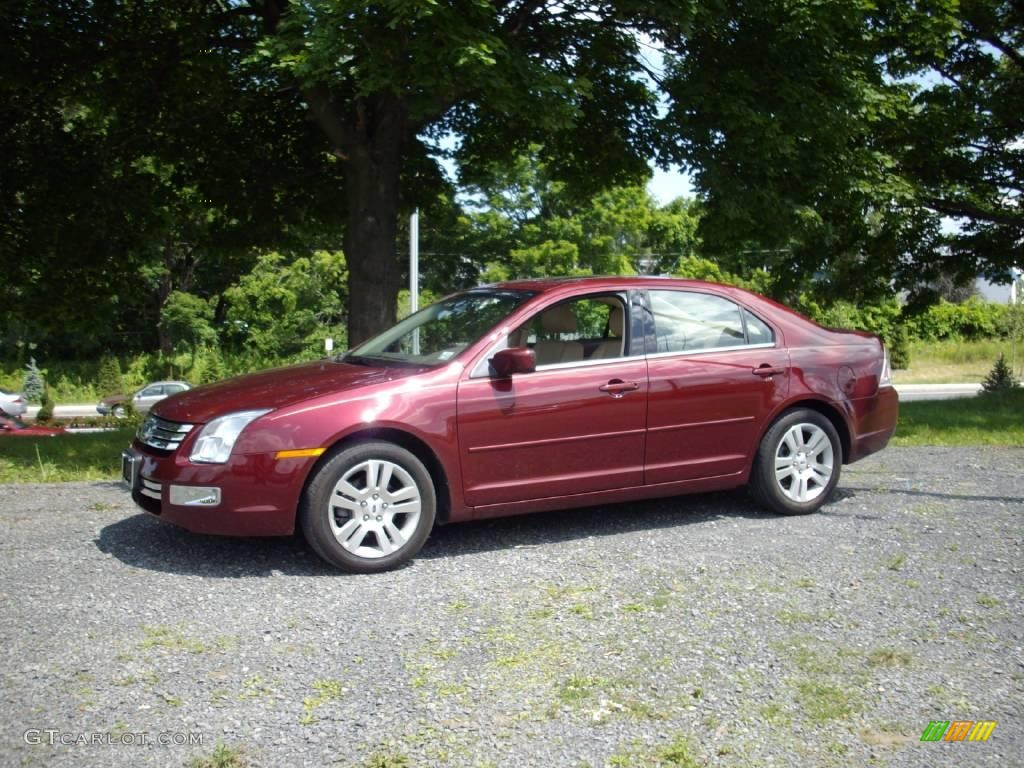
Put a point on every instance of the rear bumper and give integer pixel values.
(258, 494)
(876, 419)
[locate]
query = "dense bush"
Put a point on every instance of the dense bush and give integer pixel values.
(973, 319)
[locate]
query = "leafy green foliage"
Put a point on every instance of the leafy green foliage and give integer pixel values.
(187, 320)
(830, 139)
(284, 306)
(1000, 378)
(45, 412)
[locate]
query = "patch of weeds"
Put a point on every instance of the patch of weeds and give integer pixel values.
(171, 701)
(444, 654)
(676, 754)
(822, 702)
(697, 693)
(255, 687)
(583, 611)
(326, 690)
(789, 616)
(101, 506)
(388, 760)
(953, 547)
(775, 714)
(578, 689)
(222, 756)
(896, 562)
(888, 657)
(805, 583)
(988, 601)
(457, 605)
(556, 593)
(540, 614)
(169, 638)
(913, 583)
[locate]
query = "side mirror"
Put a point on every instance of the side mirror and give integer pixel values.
(513, 360)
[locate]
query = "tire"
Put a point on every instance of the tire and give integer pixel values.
(117, 412)
(797, 465)
(369, 508)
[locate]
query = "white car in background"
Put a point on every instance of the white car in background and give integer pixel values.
(12, 403)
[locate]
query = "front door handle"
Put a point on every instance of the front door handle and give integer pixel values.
(767, 370)
(618, 387)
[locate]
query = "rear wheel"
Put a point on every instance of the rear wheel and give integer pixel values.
(369, 508)
(797, 464)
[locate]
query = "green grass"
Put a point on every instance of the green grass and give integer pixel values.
(221, 757)
(952, 362)
(94, 456)
(989, 419)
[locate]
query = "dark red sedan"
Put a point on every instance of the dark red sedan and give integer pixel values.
(10, 427)
(519, 397)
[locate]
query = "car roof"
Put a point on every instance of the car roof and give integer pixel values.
(155, 383)
(541, 285)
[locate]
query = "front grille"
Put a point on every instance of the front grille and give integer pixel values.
(150, 488)
(162, 434)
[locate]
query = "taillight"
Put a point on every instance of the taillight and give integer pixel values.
(885, 380)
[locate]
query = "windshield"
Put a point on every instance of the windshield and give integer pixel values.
(438, 333)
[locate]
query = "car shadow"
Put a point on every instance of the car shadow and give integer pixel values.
(142, 541)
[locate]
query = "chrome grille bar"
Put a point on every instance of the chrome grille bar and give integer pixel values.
(162, 434)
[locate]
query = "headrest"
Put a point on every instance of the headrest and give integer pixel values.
(616, 324)
(559, 319)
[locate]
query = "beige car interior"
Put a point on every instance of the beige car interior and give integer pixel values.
(561, 320)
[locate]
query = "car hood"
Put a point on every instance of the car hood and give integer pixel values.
(272, 389)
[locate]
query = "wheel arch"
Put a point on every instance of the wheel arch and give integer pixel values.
(826, 409)
(416, 446)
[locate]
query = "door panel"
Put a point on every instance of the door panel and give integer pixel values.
(706, 411)
(553, 432)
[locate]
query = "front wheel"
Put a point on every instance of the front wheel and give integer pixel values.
(797, 464)
(369, 508)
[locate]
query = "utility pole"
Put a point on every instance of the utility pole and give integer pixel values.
(414, 273)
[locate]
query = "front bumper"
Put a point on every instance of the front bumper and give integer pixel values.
(256, 494)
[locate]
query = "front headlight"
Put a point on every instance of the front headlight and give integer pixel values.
(215, 441)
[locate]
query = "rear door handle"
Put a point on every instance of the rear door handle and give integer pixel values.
(618, 387)
(767, 370)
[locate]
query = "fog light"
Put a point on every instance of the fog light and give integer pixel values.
(194, 496)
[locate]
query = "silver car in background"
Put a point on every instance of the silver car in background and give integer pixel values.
(143, 400)
(12, 403)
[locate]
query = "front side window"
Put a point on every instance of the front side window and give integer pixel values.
(435, 335)
(152, 391)
(583, 329)
(687, 321)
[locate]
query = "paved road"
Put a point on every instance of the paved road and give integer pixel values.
(628, 635)
(910, 392)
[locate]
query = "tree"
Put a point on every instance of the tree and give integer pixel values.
(35, 383)
(142, 157)
(829, 140)
(1000, 378)
(287, 305)
(187, 320)
(110, 379)
(385, 81)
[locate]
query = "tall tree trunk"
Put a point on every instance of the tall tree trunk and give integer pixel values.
(374, 270)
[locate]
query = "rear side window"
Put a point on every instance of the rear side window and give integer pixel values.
(757, 331)
(685, 321)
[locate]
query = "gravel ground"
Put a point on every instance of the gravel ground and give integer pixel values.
(631, 635)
